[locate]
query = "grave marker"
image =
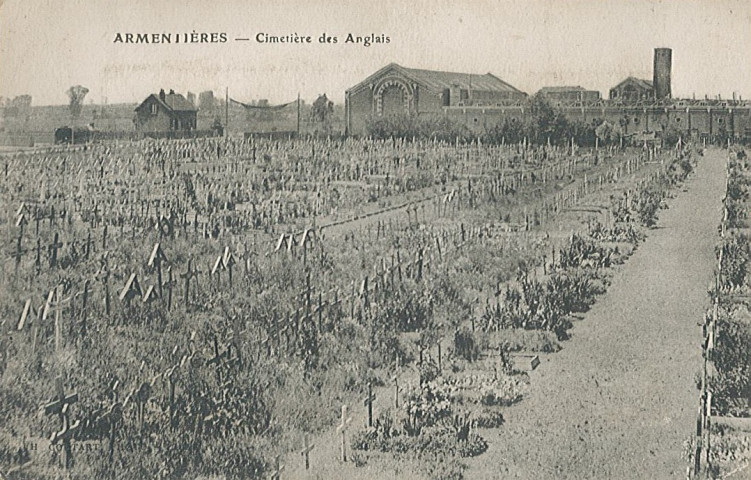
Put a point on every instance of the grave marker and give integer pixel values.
(60, 408)
(277, 473)
(103, 276)
(306, 449)
(131, 289)
(342, 429)
(53, 248)
(156, 258)
(368, 402)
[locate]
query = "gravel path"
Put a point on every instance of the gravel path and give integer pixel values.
(620, 399)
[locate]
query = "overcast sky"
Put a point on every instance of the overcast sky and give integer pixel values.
(48, 45)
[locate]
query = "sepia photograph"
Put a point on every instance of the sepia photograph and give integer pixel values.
(348, 240)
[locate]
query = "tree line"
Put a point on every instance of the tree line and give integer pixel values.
(545, 125)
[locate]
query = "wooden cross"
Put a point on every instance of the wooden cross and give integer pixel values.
(60, 407)
(368, 402)
(140, 395)
(364, 292)
(228, 260)
(396, 390)
(57, 304)
(277, 473)
(19, 253)
(131, 289)
(53, 248)
(87, 248)
(38, 261)
(169, 284)
(305, 452)
(342, 429)
(27, 308)
(150, 294)
(84, 303)
(190, 273)
(103, 276)
(216, 270)
(156, 259)
(218, 357)
(170, 374)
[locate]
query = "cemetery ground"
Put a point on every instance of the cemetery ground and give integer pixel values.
(619, 400)
(170, 310)
(551, 392)
(722, 445)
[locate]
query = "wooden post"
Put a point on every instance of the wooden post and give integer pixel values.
(368, 402)
(170, 283)
(342, 429)
(53, 248)
(396, 390)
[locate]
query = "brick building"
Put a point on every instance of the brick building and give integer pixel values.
(632, 91)
(570, 96)
(170, 112)
(396, 90)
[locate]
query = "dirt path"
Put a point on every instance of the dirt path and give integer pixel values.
(620, 399)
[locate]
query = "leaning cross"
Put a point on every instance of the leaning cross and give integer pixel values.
(342, 428)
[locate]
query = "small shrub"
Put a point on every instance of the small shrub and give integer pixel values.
(489, 419)
(474, 445)
(465, 345)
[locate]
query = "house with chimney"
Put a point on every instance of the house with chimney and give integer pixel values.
(166, 112)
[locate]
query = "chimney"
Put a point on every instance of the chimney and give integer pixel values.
(161, 94)
(663, 60)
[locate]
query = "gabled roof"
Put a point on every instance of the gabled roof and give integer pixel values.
(644, 84)
(173, 102)
(437, 81)
(178, 103)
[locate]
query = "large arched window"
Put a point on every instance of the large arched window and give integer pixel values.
(393, 97)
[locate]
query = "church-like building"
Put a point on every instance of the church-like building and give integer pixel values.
(396, 90)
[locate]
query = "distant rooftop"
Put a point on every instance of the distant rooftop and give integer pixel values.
(172, 101)
(562, 89)
(438, 80)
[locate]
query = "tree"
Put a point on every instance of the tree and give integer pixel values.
(76, 94)
(206, 100)
(547, 123)
(322, 112)
(17, 107)
(608, 133)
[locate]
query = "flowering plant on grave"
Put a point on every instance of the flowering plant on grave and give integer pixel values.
(428, 405)
(504, 391)
(736, 255)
